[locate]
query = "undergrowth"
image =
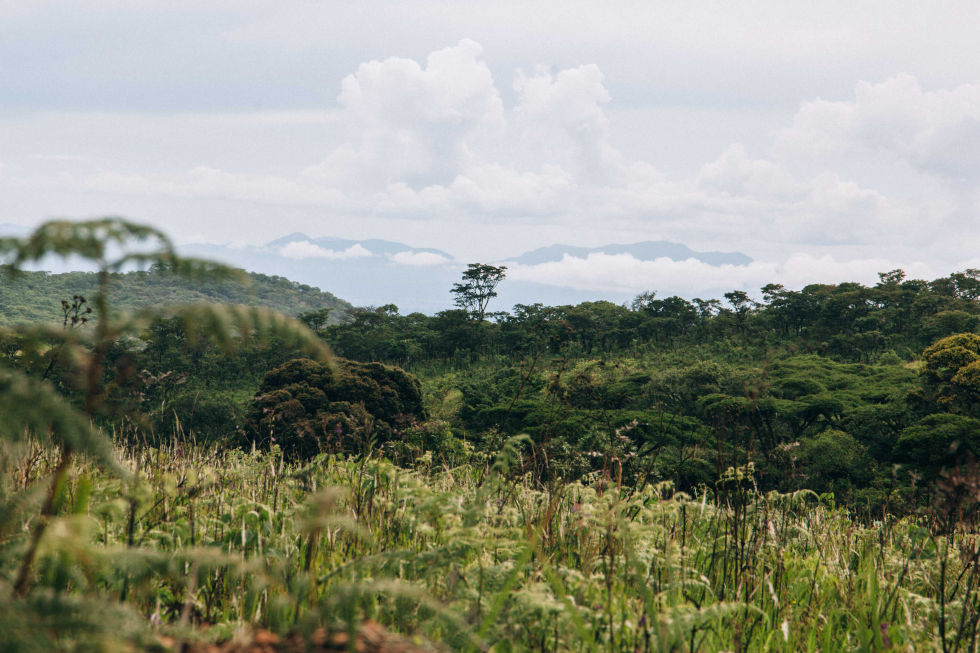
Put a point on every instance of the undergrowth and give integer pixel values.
(201, 543)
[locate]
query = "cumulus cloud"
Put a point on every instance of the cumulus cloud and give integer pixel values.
(419, 259)
(303, 249)
(735, 173)
(623, 273)
(563, 122)
(410, 123)
(822, 209)
(937, 132)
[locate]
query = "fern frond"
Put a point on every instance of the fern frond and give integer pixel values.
(13, 508)
(31, 407)
(90, 239)
(227, 325)
(509, 456)
(324, 512)
(33, 345)
(186, 267)
(54, 621)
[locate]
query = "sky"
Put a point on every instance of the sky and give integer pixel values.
(828, 141)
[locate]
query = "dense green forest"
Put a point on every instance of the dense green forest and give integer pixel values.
(792, 472)
(838, 389)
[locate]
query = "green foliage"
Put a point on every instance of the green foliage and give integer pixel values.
(835, 462)
(32, 409)
(32, 297)
(478, 287)
(308, 407)
(480, 560)
(671, 475)
(951, 373)
(940, 440)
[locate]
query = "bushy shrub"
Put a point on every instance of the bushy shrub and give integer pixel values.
(308, 407)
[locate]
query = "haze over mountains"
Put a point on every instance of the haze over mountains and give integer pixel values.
(377, 272)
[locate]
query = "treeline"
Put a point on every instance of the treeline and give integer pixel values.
(826, 388)
(848, 322)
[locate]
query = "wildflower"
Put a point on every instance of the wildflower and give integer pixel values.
(885, 639)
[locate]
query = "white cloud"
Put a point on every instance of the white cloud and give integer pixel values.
(303, 249)
(623, 273)
(412, 124)
(735, 173)
(68, 158)
(419, 259)
(937, 132)
(562, 121)
(434, 140)
(209, 183)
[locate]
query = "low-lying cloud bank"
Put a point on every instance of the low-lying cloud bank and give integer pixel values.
(420, 259)
(303, 249)
(623, 273)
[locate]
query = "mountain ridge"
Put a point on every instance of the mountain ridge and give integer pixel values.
(376, 246)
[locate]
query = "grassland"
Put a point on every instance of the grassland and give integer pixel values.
(202, 544)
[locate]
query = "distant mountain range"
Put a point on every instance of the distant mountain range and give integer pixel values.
(375, 246)
(375, 272)
(364, 272)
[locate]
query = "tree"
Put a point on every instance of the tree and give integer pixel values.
(891, 278)
(316, 320)
(741, 304)
(478, 288)
(951, 373)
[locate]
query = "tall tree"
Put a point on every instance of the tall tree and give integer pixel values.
(478, 288)
(316, 321)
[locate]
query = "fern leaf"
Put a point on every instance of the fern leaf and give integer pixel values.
(227, 325)
(31, 407)
(91, 239)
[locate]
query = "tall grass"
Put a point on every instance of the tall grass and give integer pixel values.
(477, 559)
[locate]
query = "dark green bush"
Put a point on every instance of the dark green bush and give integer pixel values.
(308, 407)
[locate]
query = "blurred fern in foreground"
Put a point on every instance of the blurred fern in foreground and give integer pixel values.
(36, 413)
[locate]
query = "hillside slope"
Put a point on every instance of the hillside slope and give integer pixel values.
(36, 296)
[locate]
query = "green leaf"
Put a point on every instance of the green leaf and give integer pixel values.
(227, 325)
(91, 239)
(34, 408)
